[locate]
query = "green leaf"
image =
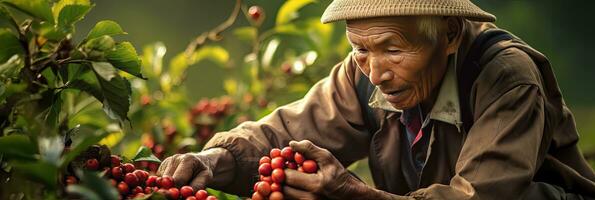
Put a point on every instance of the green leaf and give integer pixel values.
(145, 154)
(93, 187)
(105, 27)
(11, 68)
(124, 57)
(53, 113)
(115, 89)
(4, 15)
(39, 171)
(17, 147)
(10, 45)
(289, 10)
(59, 6)
(36, 8)
(71, 14)
(247, 33)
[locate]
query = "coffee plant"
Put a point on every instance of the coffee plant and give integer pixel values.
(68, 107)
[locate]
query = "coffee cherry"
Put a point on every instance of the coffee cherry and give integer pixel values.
(117, 173)
(70, 180)
(257, 196)
(278, 175)
(151, 181)
(92, 164)
(266, 178)
(201, 195)
(167, 182)
(287, 153)
(291, 165)
(275, 187)
(142, 175)
(190, 198)
(298, 158)
(115, 160)
(276, 196)
(310, 166)
(131, 179)
(255, 13)
(278, 163)
(162, 191)
(211, 198)
(255, 187)
(137, 190)
(186, 191)
(300, 169)
(123, 188)
(264, 159)
(275, 152)
(128, 167)
(149, 190)
(263, 188)
(265, 169)
(173, 193)
(113, 182)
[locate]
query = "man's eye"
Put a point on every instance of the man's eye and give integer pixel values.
(393, 51)
(361, 50)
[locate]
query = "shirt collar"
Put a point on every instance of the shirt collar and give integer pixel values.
(445, 109)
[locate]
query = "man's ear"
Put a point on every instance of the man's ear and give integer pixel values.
(454, 34)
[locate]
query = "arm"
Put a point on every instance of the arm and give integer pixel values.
(327, 115)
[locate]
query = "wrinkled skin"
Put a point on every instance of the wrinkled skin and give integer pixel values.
(405, 64)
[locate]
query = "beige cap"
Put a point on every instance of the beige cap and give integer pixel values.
(358, 9)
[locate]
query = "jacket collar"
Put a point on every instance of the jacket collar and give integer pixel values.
(445, 109)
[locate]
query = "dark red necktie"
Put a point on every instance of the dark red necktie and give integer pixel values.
(414, 127)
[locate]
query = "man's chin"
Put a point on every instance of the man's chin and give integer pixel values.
(402, 106)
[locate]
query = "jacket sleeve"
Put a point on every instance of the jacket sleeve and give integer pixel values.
(329, 116)
(507, 142)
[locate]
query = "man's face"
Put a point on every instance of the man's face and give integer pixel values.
(396, 57)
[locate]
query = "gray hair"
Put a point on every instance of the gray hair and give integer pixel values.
(430, 27)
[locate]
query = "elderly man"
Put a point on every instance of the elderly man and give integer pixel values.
(444, 105)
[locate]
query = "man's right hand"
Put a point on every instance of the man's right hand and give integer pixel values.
(213, 167)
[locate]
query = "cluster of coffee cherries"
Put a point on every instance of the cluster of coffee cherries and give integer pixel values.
(272, 174)
(137, 183)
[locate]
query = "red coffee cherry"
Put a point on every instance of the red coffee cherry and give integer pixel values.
(291, 165)
(191, 198)
(275, 152)
(264, 159)
(275, 187)
(298, 158)
(276, 196)
(211, 198)
(186, 191)
(128, 167)
(255, 13)
(265, 169)
(115, 160)
(117, 173)
(70, 180)
(131, 179)
(151, 181)
(287, 153)
(92, 164)
(266, 178)
(167, 182)
(257, 196)
(137, 190)
(201, 195)
(263, 188)
(278, 175)
(123, 188)
(173, 193)
(278, 163)
(310, 166)
(142, 175)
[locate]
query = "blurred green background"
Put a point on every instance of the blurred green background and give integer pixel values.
(561, 30)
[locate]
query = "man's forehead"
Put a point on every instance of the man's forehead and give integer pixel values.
(399, 22)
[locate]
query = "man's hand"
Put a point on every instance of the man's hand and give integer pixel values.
(213, 167)
(331, 181)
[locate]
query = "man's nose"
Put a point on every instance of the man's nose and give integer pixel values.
(379, 73)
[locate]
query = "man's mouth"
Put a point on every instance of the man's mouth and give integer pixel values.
(393, 96)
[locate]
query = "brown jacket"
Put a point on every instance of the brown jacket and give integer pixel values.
(522, 143)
